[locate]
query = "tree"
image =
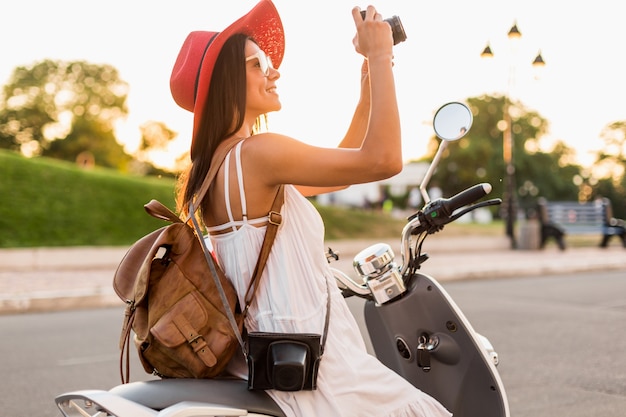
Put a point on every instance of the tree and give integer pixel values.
(477, 157)
(609, 174)
(87, 145)
(155, 139)
(613, 156)
(62, 109)
(155, 136)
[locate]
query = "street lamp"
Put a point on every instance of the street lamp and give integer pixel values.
(509, 197)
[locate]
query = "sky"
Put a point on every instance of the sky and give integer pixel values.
(579, 91)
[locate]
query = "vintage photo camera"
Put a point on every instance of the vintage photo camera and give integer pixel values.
(399, 35)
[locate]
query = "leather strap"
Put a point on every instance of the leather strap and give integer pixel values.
(216, 162)
(195, 340)
(129, 318)
(158, 210)
(275, 219)
(327, 320)
(218, 284)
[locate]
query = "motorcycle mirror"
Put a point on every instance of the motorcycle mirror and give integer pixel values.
(451, 122)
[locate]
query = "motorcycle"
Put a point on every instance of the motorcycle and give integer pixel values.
(415, 327)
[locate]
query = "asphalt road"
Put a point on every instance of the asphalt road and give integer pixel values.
(561, 343)
(561, 340)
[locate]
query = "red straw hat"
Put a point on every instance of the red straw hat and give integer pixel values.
(193, 69)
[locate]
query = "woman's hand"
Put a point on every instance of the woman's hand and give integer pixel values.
(374, 36)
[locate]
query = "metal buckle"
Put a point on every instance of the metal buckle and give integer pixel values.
(277, 215)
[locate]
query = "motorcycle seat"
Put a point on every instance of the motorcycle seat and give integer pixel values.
(160, 394)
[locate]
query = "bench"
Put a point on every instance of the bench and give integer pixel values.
(558, 218)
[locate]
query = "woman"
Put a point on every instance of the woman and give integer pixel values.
(227, 79)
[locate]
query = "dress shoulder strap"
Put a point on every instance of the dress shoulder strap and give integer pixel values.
(232, 223)
(242, 193)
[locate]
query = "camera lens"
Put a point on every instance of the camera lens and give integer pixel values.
(399, 35)
(397, 30)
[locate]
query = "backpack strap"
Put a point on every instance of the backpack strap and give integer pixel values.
(275, 219)
(143, 249)
(216, 162)
(134, 290)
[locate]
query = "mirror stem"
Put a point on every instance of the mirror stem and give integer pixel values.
(431, 170)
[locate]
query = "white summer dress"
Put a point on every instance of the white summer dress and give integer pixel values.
(292, 298)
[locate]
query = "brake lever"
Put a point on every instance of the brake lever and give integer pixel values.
(435, 223)
(486, 203)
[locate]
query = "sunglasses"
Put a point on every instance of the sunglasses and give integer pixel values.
(265, 62)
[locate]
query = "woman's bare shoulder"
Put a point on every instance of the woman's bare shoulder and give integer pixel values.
(264, 137)
(273, 146)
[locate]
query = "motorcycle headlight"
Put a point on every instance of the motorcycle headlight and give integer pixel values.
(376, 266)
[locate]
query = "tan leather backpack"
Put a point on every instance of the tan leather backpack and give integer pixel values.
(176, 295)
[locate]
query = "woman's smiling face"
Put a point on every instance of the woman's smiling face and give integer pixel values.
(261, 96)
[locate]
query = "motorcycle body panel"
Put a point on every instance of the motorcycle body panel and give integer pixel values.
(425, 338)
(227, 392)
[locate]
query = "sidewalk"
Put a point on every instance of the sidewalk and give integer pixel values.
(47, 279)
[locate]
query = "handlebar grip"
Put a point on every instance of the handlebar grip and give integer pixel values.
(466, 197)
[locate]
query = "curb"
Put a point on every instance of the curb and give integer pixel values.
(48, 302)
(70, 258)
(55, 279)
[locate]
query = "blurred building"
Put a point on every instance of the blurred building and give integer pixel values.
(372, 194)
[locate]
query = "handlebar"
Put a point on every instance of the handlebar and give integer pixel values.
(438, 213)
(429, 220)
(466, 197)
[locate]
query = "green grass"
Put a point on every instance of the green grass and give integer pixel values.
(341, 223)
(46, 202)
(50, 203)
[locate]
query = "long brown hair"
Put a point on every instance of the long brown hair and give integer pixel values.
(222, 117)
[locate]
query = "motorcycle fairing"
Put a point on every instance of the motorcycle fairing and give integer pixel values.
(458, 371)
